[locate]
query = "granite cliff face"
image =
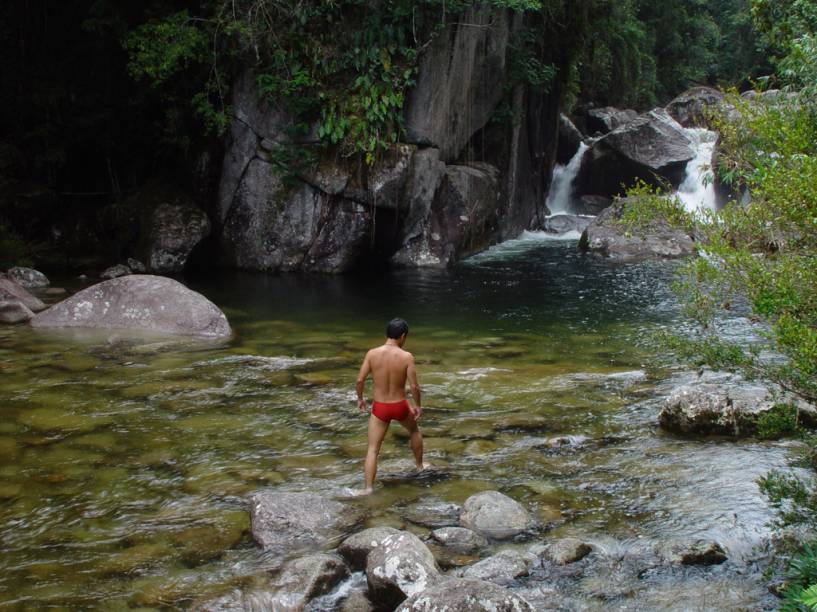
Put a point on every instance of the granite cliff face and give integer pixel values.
(461, 180)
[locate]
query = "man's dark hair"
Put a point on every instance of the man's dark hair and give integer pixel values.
(396, 328)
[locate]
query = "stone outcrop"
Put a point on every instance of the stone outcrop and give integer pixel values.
(651, 147)
(561, 224)
(13, 292)
(495, 515)
(569, 140)
(174, 230)
(287, 522)
(607, 237)
(28, 277)
(463, 595)
(141, 303)
(689, 109)
(401, 566)
(728, 409)
(605, 119)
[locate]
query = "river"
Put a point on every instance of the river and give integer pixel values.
(125, 463)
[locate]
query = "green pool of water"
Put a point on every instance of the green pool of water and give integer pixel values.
(125, 463)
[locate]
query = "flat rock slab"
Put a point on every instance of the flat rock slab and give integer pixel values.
(433, 515)
(140, 303)
(501, 568)
(287, 522)
(495, 515)
(463, 595)
(431, 474)
(459, 539)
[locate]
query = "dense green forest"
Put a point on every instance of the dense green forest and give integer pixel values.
(99, 96)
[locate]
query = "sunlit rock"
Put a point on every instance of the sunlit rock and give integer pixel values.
(501, 568)
(356, 548)
(463, 595)
(401, 566)
(141, 303)
(495, 515)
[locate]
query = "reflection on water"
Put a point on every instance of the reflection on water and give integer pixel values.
(124, 464)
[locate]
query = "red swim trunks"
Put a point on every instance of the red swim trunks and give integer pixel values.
(388, 411)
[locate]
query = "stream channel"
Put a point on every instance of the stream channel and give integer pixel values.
(125, 463)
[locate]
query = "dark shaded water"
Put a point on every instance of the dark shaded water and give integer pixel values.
(124, 464)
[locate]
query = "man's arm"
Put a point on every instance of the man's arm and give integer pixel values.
(365, 370)
(415, 388)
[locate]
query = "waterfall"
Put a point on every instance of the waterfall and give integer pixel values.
(561, 187)
(697, 191)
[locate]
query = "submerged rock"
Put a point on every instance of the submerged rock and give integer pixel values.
(304, 579)
(400, 567)
(501, 568)
(729, 409)
(607, 237)
(174, 231)
(286, 522)
(495, 515)
(12, 291)
(356, 548)
(459, 539)
(28, 277)
(463, 595)
(433, 515)
(139, 302)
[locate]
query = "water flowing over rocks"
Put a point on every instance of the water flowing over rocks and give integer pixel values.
(305, 579)
(502, 568)
(13, 292)
(401, 566)
(174, 230)
(690, 108)
(141, 303)
(495, 515)
(607, 237)
(570, 138)
(463, 595)
(28, 277)
(650, 145)
(356, 548)
(286, 522)
(728, 409)
(696, 552)
(459, 539)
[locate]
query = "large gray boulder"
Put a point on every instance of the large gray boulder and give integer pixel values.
(459, 81)
(12, 291)
(174, 230)
(356, 548)
(462, 595)
(501, 568)
(13, 311)
(286, 522)
(690, 108)
(608, 237)
(28, 277)
(728, 409)
(653, 147)
(605, 119)
(140, 303)
(401, 566)
(495, 515)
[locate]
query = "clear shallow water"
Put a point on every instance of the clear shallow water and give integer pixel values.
(124, 464)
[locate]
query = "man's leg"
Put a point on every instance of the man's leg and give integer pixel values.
(415, 440)
(377, 431)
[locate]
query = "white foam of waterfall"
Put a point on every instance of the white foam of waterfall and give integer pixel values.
(697, 191)
(561, 187)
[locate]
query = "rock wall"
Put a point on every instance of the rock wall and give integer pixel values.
(460, 182)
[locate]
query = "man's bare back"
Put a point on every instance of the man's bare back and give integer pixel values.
(390, 368)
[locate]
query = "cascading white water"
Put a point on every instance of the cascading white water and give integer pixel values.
(561, 187)
(697, 191)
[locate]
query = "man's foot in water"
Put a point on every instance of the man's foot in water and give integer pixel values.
(425, 466)
(361, 492)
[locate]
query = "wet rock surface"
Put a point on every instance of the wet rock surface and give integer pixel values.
(561, 224)
(400, 567)
(495, 515)
(502, 568)
(356, 548)
(567, 550)
(305, 579)
(459, 539)
(569, 140)
(141, 303)
(695, 552)
(607, 237)
(605, 119)
(464, 595)
(28, 277)
(433, 515)
(285, 522)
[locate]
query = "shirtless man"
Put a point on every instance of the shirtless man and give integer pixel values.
(390, 367)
